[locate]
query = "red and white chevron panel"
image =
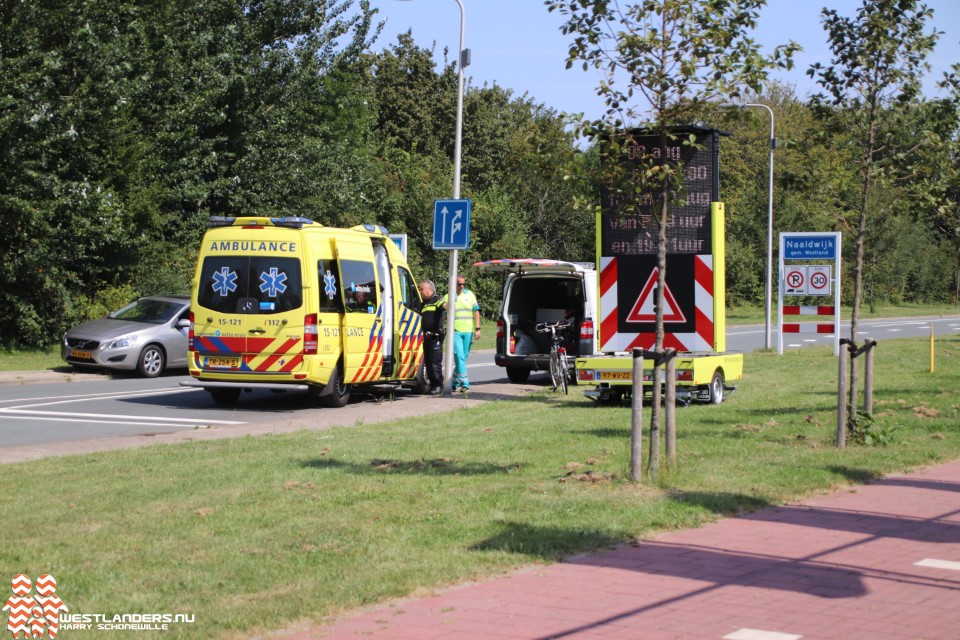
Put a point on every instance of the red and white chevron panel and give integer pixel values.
(702, 339)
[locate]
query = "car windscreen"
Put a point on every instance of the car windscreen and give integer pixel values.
(241, 284)
(150, 311)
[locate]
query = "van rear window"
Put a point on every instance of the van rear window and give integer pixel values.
(243, 284)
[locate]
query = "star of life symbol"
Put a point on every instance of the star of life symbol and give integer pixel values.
(225, 281)
(273, 283)
(34, 616)
(330, 285)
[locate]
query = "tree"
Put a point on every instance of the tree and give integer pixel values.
(124, 124)
(878, 62)
(662, 61)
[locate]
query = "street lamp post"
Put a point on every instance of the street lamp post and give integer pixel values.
(768, 289)
(463, 61)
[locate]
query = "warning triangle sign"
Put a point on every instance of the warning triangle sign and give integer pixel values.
(644, 309)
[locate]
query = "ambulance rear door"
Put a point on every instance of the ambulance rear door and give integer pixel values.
(363, 310)
(249, 316)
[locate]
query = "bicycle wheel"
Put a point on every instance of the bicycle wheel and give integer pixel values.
(562, 367)
(556, 372)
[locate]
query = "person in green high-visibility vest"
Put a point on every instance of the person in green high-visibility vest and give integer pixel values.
(466, 328)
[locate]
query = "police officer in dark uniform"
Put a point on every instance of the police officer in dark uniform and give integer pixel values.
(432, 314)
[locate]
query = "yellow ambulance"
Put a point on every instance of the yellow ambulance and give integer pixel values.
(287, 303)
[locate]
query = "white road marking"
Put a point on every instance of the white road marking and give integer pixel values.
(97, 396)
(64, 414)
(102, 396)
(938, 564)
(893, 330)
(138, 424)
(811, 340)
(759, 634)
(28, 411)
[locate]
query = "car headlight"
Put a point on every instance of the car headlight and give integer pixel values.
(123, 341)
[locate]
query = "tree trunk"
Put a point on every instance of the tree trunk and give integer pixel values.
(657, 390)
(858, 270)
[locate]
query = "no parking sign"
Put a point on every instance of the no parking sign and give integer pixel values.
(795, 281)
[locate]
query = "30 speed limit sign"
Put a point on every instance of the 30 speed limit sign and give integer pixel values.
(818, 280)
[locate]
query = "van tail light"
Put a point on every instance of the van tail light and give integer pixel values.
(685, 375)
(500, 328)
(310, 335)
(190, 347)
(586, 329)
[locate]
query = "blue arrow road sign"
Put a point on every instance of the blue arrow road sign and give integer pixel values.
(451, 224)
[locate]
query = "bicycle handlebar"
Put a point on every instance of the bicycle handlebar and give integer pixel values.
(544, 327)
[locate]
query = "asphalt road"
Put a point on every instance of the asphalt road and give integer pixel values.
(78, 413)
(84, 412)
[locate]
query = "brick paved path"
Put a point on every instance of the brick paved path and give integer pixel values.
(877, 562)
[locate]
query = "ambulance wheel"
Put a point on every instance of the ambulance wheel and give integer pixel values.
(716, 387)
(340, 395)
(225, 395)
(421, 385)
(518, 375)
(151, 361)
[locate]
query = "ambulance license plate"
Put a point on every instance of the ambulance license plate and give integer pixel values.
(615, 375)
(222, 363)
(81, 355)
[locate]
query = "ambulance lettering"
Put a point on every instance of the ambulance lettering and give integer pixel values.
(354, 331)
(247, 246)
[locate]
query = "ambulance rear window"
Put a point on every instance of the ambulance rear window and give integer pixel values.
(243, 284)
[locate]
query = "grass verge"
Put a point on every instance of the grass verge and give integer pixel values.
(20, 360)
(256, 533)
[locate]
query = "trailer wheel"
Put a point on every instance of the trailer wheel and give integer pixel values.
(716, 387)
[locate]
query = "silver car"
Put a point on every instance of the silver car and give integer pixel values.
(148, 335)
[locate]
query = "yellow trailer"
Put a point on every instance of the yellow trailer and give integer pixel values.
(701, 377)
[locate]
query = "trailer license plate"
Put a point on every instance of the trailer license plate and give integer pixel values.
(616, 375)
(222, 363)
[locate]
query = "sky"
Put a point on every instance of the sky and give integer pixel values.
(518, 45)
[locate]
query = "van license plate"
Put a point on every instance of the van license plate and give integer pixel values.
(616, 375)
(222, 363)
(82, 355)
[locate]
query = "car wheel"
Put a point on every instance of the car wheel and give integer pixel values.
(518, 375)
(225, 395)
(151, 361)
(716, 387)
(421, 384)
(341, 392)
